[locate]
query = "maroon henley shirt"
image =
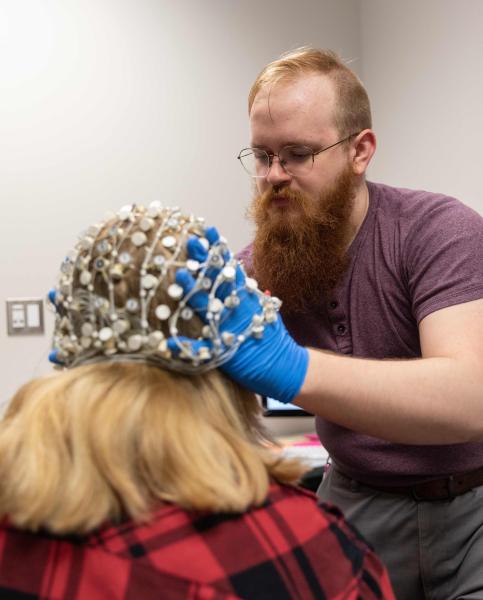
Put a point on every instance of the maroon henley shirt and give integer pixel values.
(415, 253)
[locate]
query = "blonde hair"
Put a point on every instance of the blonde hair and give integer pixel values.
(352, 113)
(103, 441)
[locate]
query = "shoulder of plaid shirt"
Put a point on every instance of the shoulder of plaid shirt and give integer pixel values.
(291, 547)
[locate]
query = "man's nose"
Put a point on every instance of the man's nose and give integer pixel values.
(277, 174)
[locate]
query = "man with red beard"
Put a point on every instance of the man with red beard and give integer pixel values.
(385, 286)
(288, 220)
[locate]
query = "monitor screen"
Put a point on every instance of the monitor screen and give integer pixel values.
(274, 408)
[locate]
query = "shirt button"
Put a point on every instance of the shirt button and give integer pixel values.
(333, 304)
(341, 328)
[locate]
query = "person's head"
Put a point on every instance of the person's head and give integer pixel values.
(348, 100)
(127, 424)
(117, 296)
(310, 125)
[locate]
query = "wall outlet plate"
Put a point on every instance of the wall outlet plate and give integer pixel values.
(25, 316)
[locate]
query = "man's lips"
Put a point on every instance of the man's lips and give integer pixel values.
(279, 201)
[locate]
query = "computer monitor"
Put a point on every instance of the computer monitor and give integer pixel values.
(274, 408)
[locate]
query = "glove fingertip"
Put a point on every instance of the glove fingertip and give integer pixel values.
(52, 296)
(196, 250)
(240, 275)
(185, 280)
(54, 357)
(212, 235)
(173, 344)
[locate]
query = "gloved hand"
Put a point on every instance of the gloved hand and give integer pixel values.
(272, 365)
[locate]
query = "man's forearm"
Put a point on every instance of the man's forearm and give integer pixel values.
(423, 401)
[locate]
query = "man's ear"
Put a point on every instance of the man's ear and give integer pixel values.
(362, 150)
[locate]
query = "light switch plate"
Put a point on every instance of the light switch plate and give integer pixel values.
(25, 316)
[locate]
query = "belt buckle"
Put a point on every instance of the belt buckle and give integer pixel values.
(450, 491)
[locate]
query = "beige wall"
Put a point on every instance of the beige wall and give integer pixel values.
(422, 64)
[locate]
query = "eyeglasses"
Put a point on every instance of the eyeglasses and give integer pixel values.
(295, 160)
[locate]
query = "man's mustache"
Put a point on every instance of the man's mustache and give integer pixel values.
(286, 194)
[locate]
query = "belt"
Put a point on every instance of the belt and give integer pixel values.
(445, 488)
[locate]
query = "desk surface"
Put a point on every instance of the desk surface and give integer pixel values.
(306, 447)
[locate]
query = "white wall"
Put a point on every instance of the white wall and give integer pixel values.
(422, 65)
(107, 102)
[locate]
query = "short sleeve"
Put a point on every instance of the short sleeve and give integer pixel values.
(443, 256)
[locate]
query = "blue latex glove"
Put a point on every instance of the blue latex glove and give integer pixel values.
(273, 365)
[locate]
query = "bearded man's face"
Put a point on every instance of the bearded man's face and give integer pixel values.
(302, 222)
(299, 250)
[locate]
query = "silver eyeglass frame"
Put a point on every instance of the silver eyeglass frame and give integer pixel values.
(271, 155)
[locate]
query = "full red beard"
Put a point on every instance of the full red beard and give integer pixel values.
(299, 251)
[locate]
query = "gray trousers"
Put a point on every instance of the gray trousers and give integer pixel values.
(432, 550)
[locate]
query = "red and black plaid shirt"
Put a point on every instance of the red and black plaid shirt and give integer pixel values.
(288, 548)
